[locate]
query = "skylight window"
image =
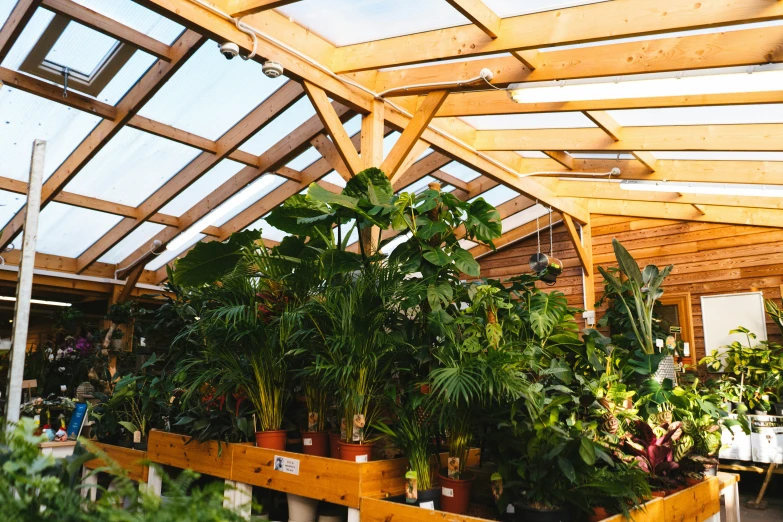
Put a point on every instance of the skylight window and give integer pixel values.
(81, 49)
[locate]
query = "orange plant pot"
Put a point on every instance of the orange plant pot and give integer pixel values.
(356, 452)
(334, 445)
(315, 443)
(273, 439)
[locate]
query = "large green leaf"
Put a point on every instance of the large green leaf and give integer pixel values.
(439, 295)
(546, 310)
(359, 187)
(627, 263)
(483, 221)
(426, 229)
(436, 256)
(465, 262)
(300, 215)
(587, 451)
(208, 262)
(317, 193)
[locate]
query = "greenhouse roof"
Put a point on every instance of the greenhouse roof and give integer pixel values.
(157, 137)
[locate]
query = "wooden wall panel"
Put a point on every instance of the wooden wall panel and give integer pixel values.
(708, 259)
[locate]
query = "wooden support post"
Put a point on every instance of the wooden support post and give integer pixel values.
(24, 287)
(89, 483)
(760, 503)
(154, 484)
(372, 136)
(584, 250)
(238, 497)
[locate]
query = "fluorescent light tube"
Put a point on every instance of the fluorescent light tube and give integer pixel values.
(614, 88)
(221, 211)
(36, 301)
(710, 189)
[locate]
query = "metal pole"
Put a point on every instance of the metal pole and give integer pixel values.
(24, 287)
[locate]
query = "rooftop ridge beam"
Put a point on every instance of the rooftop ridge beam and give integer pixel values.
(133, 101)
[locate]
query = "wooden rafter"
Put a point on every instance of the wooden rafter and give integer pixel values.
(15, 24)
(615, 131)
(230, 141)
(744, 47)
(240, 8)
(334, 127)
(109, 26)
(585, 257)
(746, 137)
(563, 158)
(477, 12)
(277, 156)
(139, 94)
(552, 28)
(405, 145)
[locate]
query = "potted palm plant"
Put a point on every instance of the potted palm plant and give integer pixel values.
(315, 439)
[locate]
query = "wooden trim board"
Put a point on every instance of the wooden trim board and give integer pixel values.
(206, 458)
(131, 460)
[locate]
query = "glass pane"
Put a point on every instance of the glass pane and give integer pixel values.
(418, 186)
(68, 231)
(30, 35)
(544, 120)
(136, 17)
(345, 22)
(506, 8)
(524, 217)
(460, 171)
(305, 159)
(244, 198)
(497, 195)
(25, 117)
(126, 78)
(280, 127)
(335, 179)
(131, 167)
(5, 10)
(729, 114)
(267, 230)
(81, 49)
(719, 156)
(223, 91)
(202, 188)
(10, 203)
(135, 240)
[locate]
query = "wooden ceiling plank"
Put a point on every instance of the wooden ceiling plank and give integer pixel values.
(15, 24)
(334, 127)
(410, 136)
(743, 47)
(580, 24)
(240, 8)
(479, 14)
(109, 26)
(134, 100)
(274, 105)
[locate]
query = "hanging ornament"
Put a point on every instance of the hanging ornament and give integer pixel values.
(547, 267)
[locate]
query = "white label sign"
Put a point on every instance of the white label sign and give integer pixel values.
(361, 458)
(428, 505)
(447, 492)
(307, 442)
(659, 343)
(286, 465)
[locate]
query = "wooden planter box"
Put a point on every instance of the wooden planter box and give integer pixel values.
(337, 481)
(694, 504)
(131, 460)
(174, 450)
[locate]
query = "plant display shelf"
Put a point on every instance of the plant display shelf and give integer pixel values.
(131, 460)
(771, 469)
(699, 503)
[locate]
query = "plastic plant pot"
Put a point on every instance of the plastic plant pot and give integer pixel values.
(273, 439)
(455, 493)
(356, 452)
(315, 443)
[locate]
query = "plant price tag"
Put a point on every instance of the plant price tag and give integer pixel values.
(307, 442)
(428, 505)
(287, 465)
(447, 492)
(361, 458)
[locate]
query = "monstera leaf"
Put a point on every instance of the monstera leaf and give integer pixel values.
(208, 262)
(301, 215)
(371, 184)
(483, 221)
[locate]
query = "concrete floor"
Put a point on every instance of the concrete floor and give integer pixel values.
(749, 486)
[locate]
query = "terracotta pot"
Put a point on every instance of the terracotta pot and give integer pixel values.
(273, 439)
(599, 513)
(356, 452)
(455, 493)
(315, 443)
(334, 445)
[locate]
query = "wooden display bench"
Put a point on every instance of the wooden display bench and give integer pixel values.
(699, 503)
(131, 460)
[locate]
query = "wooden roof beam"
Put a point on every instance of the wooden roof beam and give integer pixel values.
(743, 47)
(479, 14)
(134, 100)
(15, 24)
(608, 124)
(270, 108)
(562, 157)
(240, 8)
(585, 257)
(109, 26)
(572, 25)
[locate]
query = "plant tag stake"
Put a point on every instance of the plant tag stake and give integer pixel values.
(287, 465)
(496, 482)
(453, 467)
(659, 343)
(312, 421)
(358, 427)
(428, 505)
(137, 436)
(447, 492)
(411, 489)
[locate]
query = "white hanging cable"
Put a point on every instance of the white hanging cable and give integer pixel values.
(282, 45)
(248, 30)
(153, 246)
(614, 172)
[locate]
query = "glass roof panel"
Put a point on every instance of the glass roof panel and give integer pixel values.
(460, 171)
(244, 198)
(5, 10)
(170, 255)
(223, 91)
(543, 120)
(136, 17)
(10, 203)
(202, 187)
(524, 217)
(729, 114)
(346, 22)
(506, 8)
(81, 48)
(280, 127)
(305, 159)
(28, 38)
(418, 186)
(335, 179)
(497, 195)
(135, 240)
(131, 167)
(68, 231)
(719, 155)
(25, 117)
(126, 77)
(267, 230)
